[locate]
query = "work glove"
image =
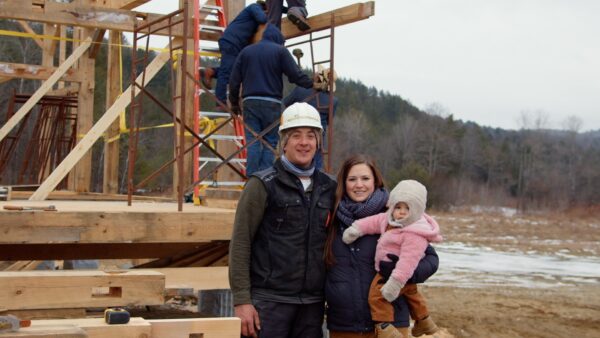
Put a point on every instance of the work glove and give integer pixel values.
(391, 289)
(351, 234)
(320, 86)
(236, 110)
(386, 268)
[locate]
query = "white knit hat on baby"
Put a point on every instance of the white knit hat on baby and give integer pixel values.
(414, 194)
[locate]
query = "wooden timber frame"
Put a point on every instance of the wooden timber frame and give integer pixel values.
(93, 18)
(108, 229)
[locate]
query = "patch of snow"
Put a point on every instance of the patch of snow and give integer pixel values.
(468, 266)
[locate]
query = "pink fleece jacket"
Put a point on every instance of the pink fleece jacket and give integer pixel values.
(408, 242)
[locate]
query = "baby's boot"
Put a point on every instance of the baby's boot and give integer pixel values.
(424, 326)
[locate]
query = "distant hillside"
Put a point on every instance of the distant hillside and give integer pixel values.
(461, 163)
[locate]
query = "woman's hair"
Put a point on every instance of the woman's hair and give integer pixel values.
(339, 194)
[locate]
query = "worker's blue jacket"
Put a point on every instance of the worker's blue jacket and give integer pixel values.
(260, 68)
(239, 32)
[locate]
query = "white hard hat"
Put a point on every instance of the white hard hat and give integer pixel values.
(300, 114)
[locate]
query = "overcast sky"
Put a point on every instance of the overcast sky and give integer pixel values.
(484, 61)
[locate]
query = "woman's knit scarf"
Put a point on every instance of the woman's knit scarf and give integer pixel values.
(348, 211)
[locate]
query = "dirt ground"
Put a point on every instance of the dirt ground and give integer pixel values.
(508, 311)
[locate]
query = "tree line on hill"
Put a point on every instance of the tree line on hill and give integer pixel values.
(460, 162)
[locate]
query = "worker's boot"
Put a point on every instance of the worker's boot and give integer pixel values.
(424, 326)
(206, 75)
(387, 330)
(298, 17)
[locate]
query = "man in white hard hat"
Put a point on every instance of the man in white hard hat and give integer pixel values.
(318, 97)
(276, 266)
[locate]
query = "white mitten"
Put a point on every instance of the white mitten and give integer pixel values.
(351, 234)
(391, 289)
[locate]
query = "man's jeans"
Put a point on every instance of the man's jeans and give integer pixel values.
(228, 55)
(258, 115)
(290, 320)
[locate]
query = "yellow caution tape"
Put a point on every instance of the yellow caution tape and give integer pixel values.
(52, 37)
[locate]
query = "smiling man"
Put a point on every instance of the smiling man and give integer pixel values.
(276, 267)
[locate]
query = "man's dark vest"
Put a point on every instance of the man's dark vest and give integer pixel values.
(287, 251)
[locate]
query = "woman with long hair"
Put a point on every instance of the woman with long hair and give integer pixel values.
(360, 193)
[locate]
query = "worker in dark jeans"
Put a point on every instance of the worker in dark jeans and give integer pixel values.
(237, 35)
(296, 13)
(260, 68)
(317, 97)
(276, 266)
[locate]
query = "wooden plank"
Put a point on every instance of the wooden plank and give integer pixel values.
(80, 288)
(96, 131)
(196, 327)
(73, 14)
(94, 196)
(61, 251)
(199, 278)
(101, 227)
(127, 4)
(71, 90)
(49, 313)
(343, 16)
(45, 87)
(147, 204)
(82, 172)
(34, 72)
(233, 8)
(110, 183)
(150, 226)
(188, 109)
(97, 328)
(28, 29)
(23, 265)
(52, 331)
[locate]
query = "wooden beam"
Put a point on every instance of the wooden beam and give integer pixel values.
(343, 16)
(188, 109)
(45, 87)
(110, 179)
(72, 14)
(96, 132)
(127, 4)
(33, 72)
(97, 328)
(49, 313)
(71, 90)
(80, 288)
(196, 327)
(85, 222)
(64, 331)
(82, 172)
(29, 30)
(22, 227)
(94, 196)
(58, 251)
(233, 8)
(98, 39)
(199, 278)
